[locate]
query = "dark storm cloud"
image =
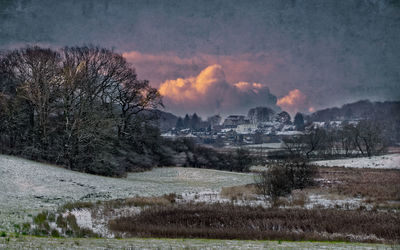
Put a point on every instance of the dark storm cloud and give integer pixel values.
(332, 51)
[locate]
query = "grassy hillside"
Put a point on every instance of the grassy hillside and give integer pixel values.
(29, 187)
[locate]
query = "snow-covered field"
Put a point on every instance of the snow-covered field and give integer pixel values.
(266, 145)
(390, 161)
(28, 187)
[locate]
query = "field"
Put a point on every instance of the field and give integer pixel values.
(30, 187)
(150, 243)
(390, 161)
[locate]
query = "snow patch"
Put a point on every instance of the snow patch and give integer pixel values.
(391, 161)
(83, 218)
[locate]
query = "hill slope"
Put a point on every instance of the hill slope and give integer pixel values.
(29, 187)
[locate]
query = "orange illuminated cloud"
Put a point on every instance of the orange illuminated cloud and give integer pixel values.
(293, 102)
(179, 80)
(167, 65)
(210, 93)
(193, 88)
(208, 78)
(245, 86)
(180, 89)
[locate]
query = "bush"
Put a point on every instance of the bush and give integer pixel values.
(273, 183)
(40, 218)
(55, 233)
(61, 222)
(26, 227)
(301, 174)
(281, 178)
(65, 226)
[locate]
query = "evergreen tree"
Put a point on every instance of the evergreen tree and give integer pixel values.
(195, 122)
(179, 124)
(186, 121)
(299, 122)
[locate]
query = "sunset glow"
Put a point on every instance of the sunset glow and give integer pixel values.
(294, 101)
(262, 51)
(210, 92)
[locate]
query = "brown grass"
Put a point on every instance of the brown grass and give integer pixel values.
(381, 187)
(138, 201)
(299, 198)
(141, 201)
(245, 192)
(374, 184)
(257, 223)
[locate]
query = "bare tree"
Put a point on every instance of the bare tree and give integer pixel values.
(369, 138)
(314, 141)
(134, 97)
(35, 82)
(294, 146)
(71, 105)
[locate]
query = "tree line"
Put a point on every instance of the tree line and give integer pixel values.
(293, 169)
(84, 108)
(81, 107)
(365, 138)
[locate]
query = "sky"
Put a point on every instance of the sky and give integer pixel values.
(224, 57)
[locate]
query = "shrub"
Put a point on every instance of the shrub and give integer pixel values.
(71, 220)
(25, 228)
(51, 217)
(301, 173)
(40, 218)
(273, 183)
(55, 233)
(281, 178)
(67, 225)
(61, 223)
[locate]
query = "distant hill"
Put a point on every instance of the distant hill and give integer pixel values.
(358, 110)
(386, 113)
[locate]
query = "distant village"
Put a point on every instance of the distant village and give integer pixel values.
(261, 125)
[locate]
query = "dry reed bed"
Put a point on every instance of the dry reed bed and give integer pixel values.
(222, 221)
(375, 184)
